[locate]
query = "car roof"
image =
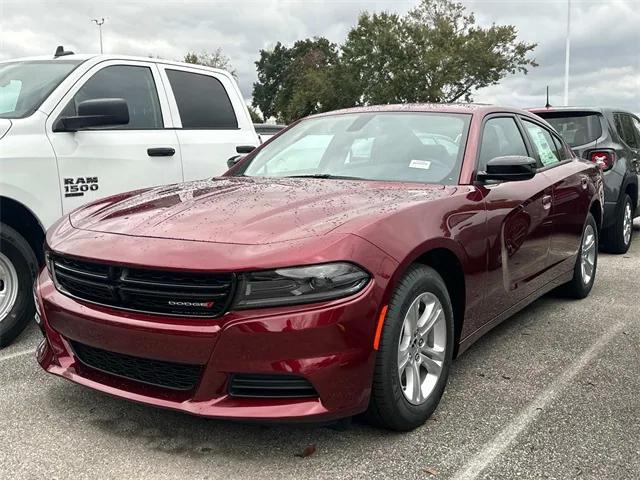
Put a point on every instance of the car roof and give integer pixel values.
(96, 58)
(552, 109)
(463, 108)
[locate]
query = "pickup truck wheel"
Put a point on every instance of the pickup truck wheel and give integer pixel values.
(584, 271)
(18, 267)
(617, 238)
(415, 352)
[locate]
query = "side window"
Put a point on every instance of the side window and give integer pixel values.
(202, 101)
(134, 84)
(500, 137)
(561, 151)
(636, 127)
(543, 143)
(625, 127)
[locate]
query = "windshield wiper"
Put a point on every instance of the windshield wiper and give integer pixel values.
(325, 175)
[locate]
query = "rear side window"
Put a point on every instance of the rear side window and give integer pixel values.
(202, 101)
(543, 143)
(133, 83)
(500, 137)
(626, 129)
(576, 128)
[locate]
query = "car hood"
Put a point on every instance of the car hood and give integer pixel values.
(249, 211)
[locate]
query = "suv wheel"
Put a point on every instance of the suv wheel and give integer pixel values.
(617, 238)
(415, 352)
(18, 267)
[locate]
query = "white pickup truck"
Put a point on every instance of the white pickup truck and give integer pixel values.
(74, 128)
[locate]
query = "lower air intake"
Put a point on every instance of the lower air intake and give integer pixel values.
(271, 386)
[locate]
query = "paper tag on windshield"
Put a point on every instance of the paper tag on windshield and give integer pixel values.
(423, 164)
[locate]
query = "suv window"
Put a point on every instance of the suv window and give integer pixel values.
(202, 101)
(626, 130)
(577, 128)
(543, 143)
(500, 137)
(133, 83)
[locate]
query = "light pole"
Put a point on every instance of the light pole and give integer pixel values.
(99, 23)
(567, 55)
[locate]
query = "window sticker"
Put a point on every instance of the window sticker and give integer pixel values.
(547, 157)
(423, 164)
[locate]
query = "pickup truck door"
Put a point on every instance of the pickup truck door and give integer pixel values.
(104, 161)
(212, 121)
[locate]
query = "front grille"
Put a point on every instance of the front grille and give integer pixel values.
(270, 386)
(176, 376)
(152, 291)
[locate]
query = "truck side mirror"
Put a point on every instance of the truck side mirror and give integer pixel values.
(99, 112)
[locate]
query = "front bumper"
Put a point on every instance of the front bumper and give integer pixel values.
(328, 344)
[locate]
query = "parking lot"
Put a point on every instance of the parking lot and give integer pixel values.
(551, 393)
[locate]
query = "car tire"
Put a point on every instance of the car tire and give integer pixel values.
(584, 271)
(617, 238)
(18, 267)
(396, 402)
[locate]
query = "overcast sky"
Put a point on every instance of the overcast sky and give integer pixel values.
(605, 37)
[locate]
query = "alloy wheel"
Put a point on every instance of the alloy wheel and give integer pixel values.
(588, 254)
(8, 286)
(422, 348)
(627, 224)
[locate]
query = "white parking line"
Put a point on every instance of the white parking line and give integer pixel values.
(20, 353)
(481, 460)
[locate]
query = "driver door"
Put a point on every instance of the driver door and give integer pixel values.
(100, 162)
(518, 220)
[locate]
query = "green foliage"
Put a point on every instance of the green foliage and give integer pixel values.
(215, 59)
(255, 115)
(434, 53)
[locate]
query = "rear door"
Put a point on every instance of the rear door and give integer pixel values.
(628, 128)
(99, 162)
(519, 220)
(569, 187)
(211, 119)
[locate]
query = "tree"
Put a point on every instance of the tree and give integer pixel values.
(295, 81)
(435, 53)
(215, 59)
(255, 115)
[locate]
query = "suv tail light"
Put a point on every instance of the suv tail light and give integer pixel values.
(603, 158)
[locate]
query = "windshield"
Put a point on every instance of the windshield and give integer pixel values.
(575, 127)
(25, 85)
(390, 146)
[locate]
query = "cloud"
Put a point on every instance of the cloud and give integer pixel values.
(605, 59)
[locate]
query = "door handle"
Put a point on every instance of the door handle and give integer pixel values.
(161, 152)
(245, 148)
(546, 202)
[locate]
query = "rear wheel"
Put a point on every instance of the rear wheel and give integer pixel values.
(18, 267)
(584, 271)
(617, 238)
(415, 352)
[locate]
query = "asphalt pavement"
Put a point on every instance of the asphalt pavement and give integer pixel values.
(552, 393)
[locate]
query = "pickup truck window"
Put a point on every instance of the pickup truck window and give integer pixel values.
(25, 85)
(134, 84)
(202, 101)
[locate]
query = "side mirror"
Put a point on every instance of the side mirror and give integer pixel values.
(99, 112)
(233, 160)
(509, 169)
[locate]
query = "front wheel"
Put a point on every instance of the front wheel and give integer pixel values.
(17, 270)
(584, 271)
(415, 352)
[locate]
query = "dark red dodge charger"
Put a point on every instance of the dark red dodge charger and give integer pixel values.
(335, 270)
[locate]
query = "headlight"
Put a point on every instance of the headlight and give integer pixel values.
(291, 286)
